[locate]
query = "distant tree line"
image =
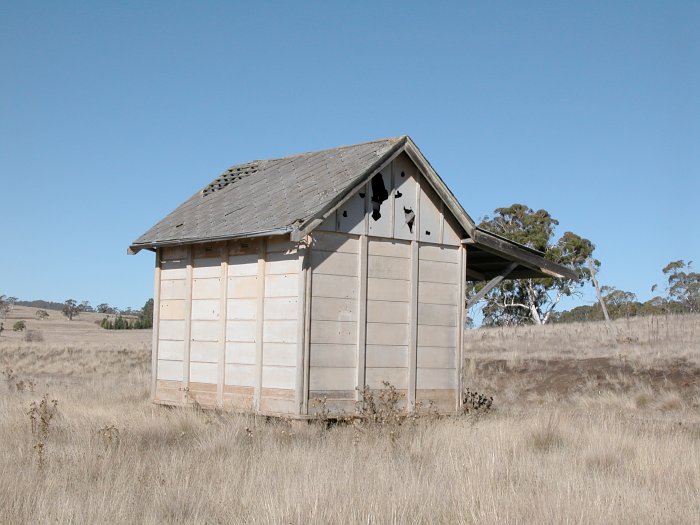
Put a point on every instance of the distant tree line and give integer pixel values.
(70, 307)
(131, 320)
(682, 296)
(629, 306)
(125, 319)
(44, 305)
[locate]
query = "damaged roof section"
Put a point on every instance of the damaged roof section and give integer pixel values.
(229, 177)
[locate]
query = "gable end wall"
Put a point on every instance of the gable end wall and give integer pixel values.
(390, 311)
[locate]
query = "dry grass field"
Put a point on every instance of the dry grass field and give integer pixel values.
(82, 330)
(585, 428)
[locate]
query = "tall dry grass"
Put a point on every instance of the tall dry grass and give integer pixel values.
(597, 454)
(639, 338)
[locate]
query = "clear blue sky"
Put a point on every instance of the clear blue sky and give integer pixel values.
(113, 113)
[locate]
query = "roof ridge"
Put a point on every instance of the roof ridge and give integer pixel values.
(294, 155)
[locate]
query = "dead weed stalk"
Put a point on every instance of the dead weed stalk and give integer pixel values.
(40, 415)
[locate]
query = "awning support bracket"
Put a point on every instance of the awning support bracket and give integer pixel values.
(491, 285)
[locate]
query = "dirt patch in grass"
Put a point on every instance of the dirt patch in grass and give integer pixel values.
(563, 377)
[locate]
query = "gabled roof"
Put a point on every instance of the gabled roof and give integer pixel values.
(294, 194)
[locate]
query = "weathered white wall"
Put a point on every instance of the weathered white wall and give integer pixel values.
(205, 319)
(171, 324)
(334, 309)
(388, 313)
(438, 314)
(241, 322)
(225, 335)
(281, 309)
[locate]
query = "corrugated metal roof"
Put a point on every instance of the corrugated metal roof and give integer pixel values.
(269, 195)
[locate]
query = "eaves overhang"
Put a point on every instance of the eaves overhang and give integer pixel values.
(153, 246)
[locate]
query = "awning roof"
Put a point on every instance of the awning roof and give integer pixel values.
(490, 255)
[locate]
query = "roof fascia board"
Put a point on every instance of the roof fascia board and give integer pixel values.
(313, 222)
(514, 243)
(512, 251)
(135, 248)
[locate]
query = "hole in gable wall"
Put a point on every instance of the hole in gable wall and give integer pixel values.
(379, 195)
(410, 217)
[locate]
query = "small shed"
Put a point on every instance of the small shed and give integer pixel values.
(315, 275)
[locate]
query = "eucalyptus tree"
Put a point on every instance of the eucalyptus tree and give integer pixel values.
(71, 309)
(522, 301)
(683, 285)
